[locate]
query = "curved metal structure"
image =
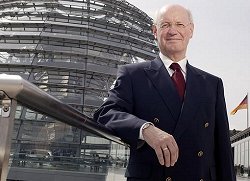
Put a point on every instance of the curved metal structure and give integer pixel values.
(15, 89)
(71, 49)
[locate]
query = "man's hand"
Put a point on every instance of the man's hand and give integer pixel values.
(164, 145)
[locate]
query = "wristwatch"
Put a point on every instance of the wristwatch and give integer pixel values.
(146, 125)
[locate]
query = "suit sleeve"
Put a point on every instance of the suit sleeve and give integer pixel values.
(224, 158)
(116, 113)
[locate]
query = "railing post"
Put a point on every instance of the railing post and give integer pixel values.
(8, 110)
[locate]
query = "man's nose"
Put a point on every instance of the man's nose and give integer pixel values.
(172, 30)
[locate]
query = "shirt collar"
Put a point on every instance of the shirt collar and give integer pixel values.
(167, 62)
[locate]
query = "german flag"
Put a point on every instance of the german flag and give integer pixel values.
(242, 105)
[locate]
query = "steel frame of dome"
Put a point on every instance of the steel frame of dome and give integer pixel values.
(71, 49)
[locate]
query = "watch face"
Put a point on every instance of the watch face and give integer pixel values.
(146, 126)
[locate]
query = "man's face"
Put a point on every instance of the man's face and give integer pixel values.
(173, 31)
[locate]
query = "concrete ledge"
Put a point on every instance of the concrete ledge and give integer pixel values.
(31, 174)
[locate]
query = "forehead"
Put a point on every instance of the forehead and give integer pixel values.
(173, 14)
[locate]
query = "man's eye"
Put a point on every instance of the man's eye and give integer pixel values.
(180, 25)
(165, 25)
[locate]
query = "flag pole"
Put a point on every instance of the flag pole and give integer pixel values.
(247, 111)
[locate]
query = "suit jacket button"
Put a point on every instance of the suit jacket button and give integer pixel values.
(200, 153)
(169, 179)
(156, 120)
(206, 125)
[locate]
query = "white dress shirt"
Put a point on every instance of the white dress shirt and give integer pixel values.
(167, 62)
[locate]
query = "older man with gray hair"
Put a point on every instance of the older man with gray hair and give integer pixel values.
(172, 114)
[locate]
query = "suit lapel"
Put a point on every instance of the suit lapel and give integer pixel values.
(194, 86)
(161, 80)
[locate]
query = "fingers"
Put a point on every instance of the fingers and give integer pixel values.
(167, 154)
(171, 154)
(160, 156)
(164, 144)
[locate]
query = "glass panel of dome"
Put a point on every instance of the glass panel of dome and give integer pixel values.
(81, 90)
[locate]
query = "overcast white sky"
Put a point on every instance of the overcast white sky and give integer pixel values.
(220, 45)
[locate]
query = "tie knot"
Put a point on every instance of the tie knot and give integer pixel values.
(175, 67)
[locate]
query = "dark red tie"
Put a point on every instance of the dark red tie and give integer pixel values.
(178, 79)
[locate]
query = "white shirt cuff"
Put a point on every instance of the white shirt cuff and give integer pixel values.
(140, 134)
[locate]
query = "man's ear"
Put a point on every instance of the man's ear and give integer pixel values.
(191, 30)
(154, 30)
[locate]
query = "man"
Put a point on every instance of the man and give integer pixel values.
(178, 110)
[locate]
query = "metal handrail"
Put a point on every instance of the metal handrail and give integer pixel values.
(14, 89)
(29, 95)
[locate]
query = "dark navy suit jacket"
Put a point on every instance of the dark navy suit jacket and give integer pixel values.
(145, 92)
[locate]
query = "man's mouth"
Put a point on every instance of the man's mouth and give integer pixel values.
(173, 39)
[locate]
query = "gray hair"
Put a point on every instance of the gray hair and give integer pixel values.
(159, 12)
